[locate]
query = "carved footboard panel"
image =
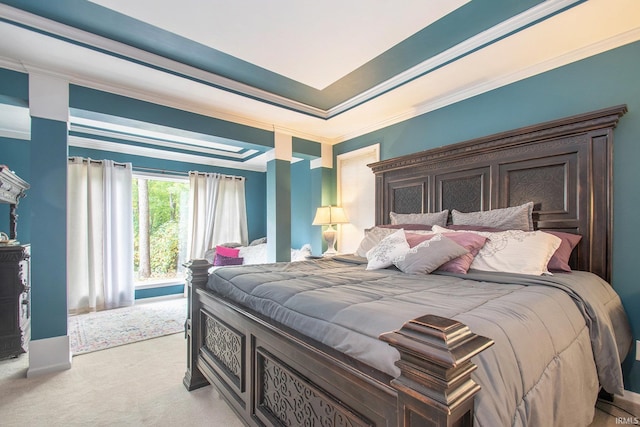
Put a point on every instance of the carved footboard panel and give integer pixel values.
(271, 375)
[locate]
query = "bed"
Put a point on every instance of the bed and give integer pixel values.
(436, 349)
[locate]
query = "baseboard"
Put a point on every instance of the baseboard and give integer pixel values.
(49, 355)
(630, 396)
(159, 298)
(159, 291)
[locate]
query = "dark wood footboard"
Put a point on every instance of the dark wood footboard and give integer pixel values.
(196, 275)
(271, 375)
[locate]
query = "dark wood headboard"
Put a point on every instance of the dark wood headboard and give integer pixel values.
(563, 166)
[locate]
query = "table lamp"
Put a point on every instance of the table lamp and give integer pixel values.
(329, 215)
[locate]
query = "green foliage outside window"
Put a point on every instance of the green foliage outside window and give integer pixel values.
(166, 202)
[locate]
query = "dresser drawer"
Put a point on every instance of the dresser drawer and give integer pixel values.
(15, 301)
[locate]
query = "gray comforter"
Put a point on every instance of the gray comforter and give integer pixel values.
(556, 337)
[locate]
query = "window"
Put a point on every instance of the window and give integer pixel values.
(160, 206)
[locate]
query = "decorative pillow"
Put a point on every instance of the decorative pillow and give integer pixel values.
(459, 227)
(256, 254)
(372, 237)
(513, 218)
(301, 254)
(437, 218)
(389, 248)
(412, 227)
(560, 259)
(210, 255)
(227, 251)
(221, 260)
(429, 255)
(472, 242)
(259, 241)
(514, 251)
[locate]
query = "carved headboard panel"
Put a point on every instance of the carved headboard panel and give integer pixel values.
(563, 166)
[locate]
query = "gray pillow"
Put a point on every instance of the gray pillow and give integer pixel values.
(429, 255)
(435, 218)
(372, 237)
(513, 218)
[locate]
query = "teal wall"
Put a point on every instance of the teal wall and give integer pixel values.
(48, 218)
(278, 211)
(14, 86)
(605, 80)
(302, 208)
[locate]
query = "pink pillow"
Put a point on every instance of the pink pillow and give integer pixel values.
(560, 259)
(471, 241)
(228, 252)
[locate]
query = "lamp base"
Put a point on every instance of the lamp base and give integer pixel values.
(329, 236)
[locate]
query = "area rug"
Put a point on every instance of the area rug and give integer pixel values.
(111, 328)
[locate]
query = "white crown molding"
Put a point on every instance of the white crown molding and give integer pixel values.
(94, 144)
(299, 134)
(115, 48)
(509, 26)
(162, 143)
(499, 81)
(132, 92)
(484, 38)
(15, 134)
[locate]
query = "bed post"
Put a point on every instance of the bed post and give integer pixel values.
(435, 385)
(196, 277)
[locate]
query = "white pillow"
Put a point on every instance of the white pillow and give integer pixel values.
(389, 248)
(514, 251)
(256, 254)
(374, 235)
(301, 254)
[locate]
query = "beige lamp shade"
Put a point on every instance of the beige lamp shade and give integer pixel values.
(327, 215)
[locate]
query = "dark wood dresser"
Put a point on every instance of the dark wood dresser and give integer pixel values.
(15, 300)
(15, 273)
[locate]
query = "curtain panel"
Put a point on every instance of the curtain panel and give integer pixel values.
(99, 235)
(218, 212)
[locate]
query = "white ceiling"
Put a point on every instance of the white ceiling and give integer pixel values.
(313, 42)
(317, 47)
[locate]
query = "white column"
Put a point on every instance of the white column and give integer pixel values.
(49, 348)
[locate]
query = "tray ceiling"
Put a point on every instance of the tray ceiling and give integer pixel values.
(325, 71)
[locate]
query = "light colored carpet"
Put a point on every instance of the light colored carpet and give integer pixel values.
(131, 385)
(616, 413)
(109, 328)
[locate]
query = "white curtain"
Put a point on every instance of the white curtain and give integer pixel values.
(218, 212)
(99, 235)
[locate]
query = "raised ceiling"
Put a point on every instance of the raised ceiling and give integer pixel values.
(325, 71)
